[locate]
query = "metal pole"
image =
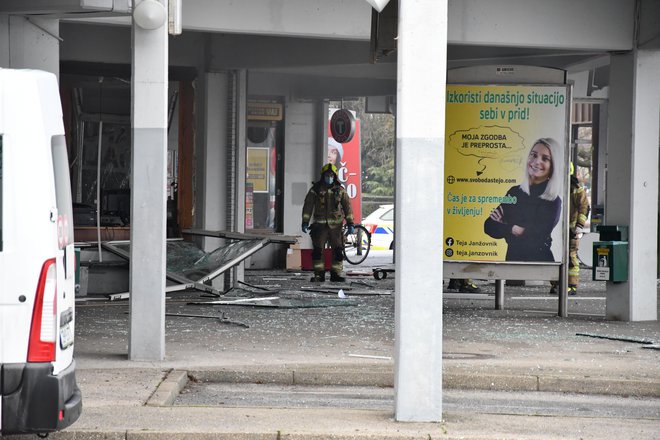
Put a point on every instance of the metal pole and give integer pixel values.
(563, 290)
(499, 294)
(98, 191)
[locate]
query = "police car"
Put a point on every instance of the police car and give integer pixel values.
(380, 224)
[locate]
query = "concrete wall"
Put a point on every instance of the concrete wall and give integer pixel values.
(212, 161)
(311, 18)
(29, 43)
(4, 40)
(96, 44)
(586, 24)
(303, 147)
(260, 51)
(112, 44)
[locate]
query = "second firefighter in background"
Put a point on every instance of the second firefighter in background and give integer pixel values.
(578, 214)
(577, 217)
(326, 207)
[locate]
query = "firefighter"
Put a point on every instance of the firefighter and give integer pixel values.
(329, 205)
(579, 211)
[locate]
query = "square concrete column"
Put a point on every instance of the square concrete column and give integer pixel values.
(148, 184)
(632, 179)
(421, 75)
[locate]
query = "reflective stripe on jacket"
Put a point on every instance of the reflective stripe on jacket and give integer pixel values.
(579, 208)
(328, 205)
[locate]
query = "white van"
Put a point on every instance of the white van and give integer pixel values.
(37, 370)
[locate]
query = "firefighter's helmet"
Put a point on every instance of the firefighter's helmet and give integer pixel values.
(329, 167)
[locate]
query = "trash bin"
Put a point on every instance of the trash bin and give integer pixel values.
(613, 232)
(610, 254)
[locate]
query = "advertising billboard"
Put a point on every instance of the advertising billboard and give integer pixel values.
(346, 157)
(505, 176)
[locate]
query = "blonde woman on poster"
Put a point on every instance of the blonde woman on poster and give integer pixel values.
(527, 223)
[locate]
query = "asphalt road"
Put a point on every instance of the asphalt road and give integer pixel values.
(484, 402)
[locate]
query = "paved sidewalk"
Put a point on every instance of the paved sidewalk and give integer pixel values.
(523, 348)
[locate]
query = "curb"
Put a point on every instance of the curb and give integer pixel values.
(466, 381)
(168, 389)
(595, 385)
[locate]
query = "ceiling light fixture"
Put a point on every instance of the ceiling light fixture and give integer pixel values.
(149, 14)
(378, 5)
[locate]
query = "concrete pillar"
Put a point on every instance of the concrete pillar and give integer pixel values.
(214, 193)
(148, 192)
(632, 179)
(422, 65)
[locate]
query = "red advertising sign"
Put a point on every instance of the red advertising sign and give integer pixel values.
(346, 157)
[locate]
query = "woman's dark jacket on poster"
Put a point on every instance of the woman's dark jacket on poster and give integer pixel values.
(536, 215)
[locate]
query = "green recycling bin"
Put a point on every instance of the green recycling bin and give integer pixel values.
(610, 261)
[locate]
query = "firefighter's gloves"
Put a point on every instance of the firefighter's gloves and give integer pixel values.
(350, 229)
(305, 227)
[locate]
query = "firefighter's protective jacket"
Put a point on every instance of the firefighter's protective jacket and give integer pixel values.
(579, 208)
(327, 205)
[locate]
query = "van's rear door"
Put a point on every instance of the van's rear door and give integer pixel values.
(66, 259)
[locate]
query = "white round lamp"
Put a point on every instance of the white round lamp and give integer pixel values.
(149, 14)
(378, 5)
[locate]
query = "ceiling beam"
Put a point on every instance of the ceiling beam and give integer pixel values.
(63, 7)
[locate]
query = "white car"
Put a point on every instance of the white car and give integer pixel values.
(381, 225)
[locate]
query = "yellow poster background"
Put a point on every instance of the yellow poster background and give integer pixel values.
(257, 168)
(489, 132)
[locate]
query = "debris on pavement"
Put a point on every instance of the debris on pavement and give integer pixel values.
(369, 356)
(280, 303)
(618, 338)
(222, 318)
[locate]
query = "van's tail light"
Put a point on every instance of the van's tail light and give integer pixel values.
(43, 332)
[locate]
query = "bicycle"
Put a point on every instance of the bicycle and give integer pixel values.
(357, 244)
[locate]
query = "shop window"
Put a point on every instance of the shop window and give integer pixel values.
(264, 166)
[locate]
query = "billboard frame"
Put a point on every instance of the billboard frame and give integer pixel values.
(503, 270)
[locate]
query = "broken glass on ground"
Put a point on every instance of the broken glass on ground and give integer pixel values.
(222, 319)
(190, 267)
(280, 303)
